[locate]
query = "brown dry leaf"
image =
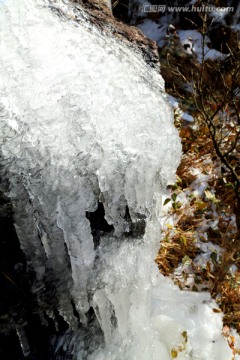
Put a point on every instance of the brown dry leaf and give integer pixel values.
(217, 310)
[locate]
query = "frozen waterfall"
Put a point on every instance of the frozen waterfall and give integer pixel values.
(86, 132)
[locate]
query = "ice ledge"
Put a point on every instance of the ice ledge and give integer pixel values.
(98, 14)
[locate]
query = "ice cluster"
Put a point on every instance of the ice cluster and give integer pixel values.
(85, 121)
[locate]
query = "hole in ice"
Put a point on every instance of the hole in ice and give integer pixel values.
(135, 229)
(98, 224)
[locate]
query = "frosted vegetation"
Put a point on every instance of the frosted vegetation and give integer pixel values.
(85, 120)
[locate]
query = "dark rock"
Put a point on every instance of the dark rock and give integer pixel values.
(19, 308)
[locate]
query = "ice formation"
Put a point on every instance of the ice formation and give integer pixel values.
(85, 121)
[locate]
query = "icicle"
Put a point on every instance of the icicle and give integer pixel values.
(23, 340)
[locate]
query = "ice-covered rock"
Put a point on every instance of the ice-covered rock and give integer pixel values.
(85, 121)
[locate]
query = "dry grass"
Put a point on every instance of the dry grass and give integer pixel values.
(180, 242)
(173, 250)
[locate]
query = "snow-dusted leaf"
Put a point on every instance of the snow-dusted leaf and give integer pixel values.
(186, 260)
(200, 205)
(185, 336)
(213, 256)
(197, 280)
(194, 288)
(183, 239)
(166, 201)
(209, 195)
(216, 310)
(174, 353)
